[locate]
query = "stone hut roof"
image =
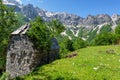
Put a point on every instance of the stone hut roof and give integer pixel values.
(22, 30)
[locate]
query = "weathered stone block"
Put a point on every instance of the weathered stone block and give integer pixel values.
(23, 57)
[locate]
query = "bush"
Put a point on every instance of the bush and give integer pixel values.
(4, 76)
(78, 43)
(117, 31)
(105, 39)
(42, 32)
(63, 41)
(39, 34)
(67, 45)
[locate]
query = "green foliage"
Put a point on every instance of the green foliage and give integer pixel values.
(63, 41)
(56, 27)
(8, 23)
(78, 43)
(117, 30)
(88, 34)
(67, 45)
(84, 32)
(92, 34)
(2, 61)
(81, 32)
(105, 39)
(21, 19)
(70, 33)
(4, 76)
(91, 63)
(106, 28)
(41, 33)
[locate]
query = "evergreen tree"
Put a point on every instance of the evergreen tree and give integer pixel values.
(7, 24)
(39, 34)
(42, 32)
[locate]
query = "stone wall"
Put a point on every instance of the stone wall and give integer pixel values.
(22, 57)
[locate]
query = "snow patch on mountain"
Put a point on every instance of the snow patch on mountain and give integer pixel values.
(12, 2)
(94, 28)
(19, 1)
(83, 38)
(64, 33)
(49, 14)
(73, 23)
(77, 33)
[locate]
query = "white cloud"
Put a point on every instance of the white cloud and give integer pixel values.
(19, 1)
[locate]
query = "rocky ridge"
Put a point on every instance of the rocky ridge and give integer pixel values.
(72, 22)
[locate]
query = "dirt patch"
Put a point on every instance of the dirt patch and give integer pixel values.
(71, 55)
(110, 51)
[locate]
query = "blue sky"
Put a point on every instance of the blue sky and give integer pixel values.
(79, 7)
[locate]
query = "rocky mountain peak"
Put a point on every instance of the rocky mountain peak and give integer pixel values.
(75, 25)
(103, 18)
(69, 20)
(29, 11)
(89, 20)
(12, 2)
(115, 16)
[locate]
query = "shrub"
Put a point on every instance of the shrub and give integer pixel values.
(105, 39)
(4, 76)
(78, 43)
(117, 31)
(67, 45)
(42, 32)
(39, 34)
(63, 41)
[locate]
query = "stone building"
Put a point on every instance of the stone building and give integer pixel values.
(22, 57)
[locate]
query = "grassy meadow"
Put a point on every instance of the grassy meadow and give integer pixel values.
(91, 63)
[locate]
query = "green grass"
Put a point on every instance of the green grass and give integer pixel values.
(92, 63)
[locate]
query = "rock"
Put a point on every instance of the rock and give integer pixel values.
(23, 57)
(71, 55)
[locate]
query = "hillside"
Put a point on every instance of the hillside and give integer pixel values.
(89, 26)
(79, 40)
(91, 63)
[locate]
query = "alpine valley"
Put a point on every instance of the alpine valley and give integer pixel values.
(76, 26)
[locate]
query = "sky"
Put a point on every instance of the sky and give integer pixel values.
(82, 8)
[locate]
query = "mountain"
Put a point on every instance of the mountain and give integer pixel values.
(12, 2)
(75, 25)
